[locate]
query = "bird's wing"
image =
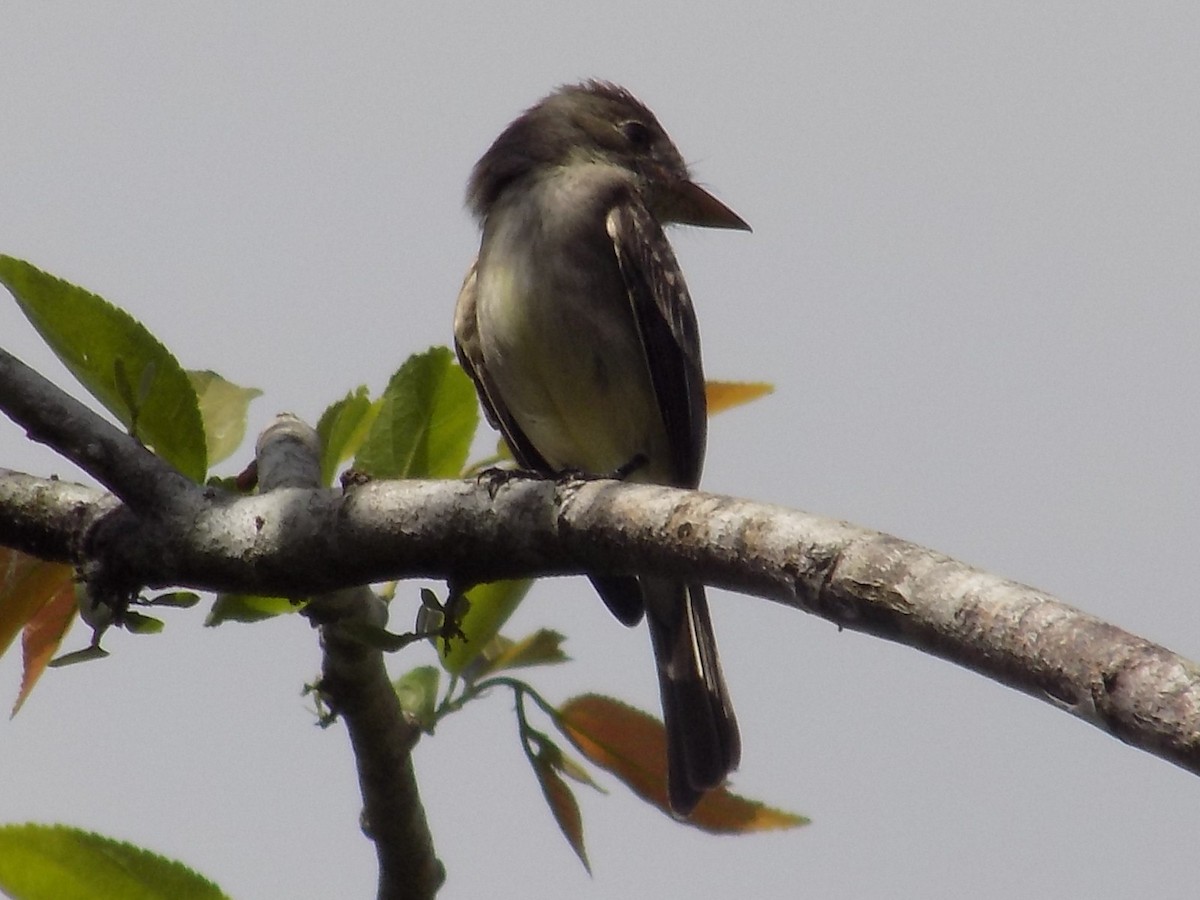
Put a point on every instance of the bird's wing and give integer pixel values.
(621, 594)
(470, 357)
(666, 324)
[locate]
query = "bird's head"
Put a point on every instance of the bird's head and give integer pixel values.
(599, 122)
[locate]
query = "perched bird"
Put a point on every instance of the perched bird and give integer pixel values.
(576, 326)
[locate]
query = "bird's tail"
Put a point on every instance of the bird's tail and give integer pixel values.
(703, 745)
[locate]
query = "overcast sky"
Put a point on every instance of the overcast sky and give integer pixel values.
(972, 278)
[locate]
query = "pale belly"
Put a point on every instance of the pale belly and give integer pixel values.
(572, 374)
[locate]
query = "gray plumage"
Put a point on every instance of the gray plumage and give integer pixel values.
(576, 326)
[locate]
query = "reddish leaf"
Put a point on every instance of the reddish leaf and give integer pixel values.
(724, 812)
(633, 746)
(39, 597)
(561, 800)
(42, 637)
(26, 585)
(625, 741)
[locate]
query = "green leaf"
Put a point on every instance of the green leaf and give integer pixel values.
(427, 418)
(417, 690)
(553, 755)
(542, 648)
(44, 862)
(136, 623)
(343, 427)
(87, 654)
(223, 408)
(248, 608)
(177, 599)
(490, 605)
(113, 355)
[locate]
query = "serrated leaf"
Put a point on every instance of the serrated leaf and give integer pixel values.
(26, 585)
(427, 419)
(43, 635)
(343, 427)
(633, 746)
(248, 608)
(563, 805)
(36, 597)
(489, 607)
(53, 862)
(223, 409)
(417, 691)
(723, 395)
(115, 357)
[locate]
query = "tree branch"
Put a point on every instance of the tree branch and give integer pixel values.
(115, 459)
(355, 685)
(293, 541)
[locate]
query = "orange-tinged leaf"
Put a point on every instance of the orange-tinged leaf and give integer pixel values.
(723, 395)
(633, 746)
(26, 585)
(625, 741)
(561, 800)
(42, 637)
(723, 812)
(39, 597)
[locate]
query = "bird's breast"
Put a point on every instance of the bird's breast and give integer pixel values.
(561, 346)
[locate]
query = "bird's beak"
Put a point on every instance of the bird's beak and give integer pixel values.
(693, 205)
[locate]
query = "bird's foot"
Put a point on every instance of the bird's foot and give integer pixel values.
(620, 473)
(495, 477)
(624, 471)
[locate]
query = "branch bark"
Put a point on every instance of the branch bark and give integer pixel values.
(355, 685)
(293, 541)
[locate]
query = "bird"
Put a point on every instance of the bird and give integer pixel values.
(576, 326)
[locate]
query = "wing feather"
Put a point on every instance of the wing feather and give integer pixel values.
(666, 321)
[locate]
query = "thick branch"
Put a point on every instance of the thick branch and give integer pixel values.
(114, 458)
(292, 541)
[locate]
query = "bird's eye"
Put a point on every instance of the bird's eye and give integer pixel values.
(637, 133)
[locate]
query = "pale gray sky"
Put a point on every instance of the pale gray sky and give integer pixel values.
(972, 278)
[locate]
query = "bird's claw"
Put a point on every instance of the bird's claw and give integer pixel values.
(495, 477)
